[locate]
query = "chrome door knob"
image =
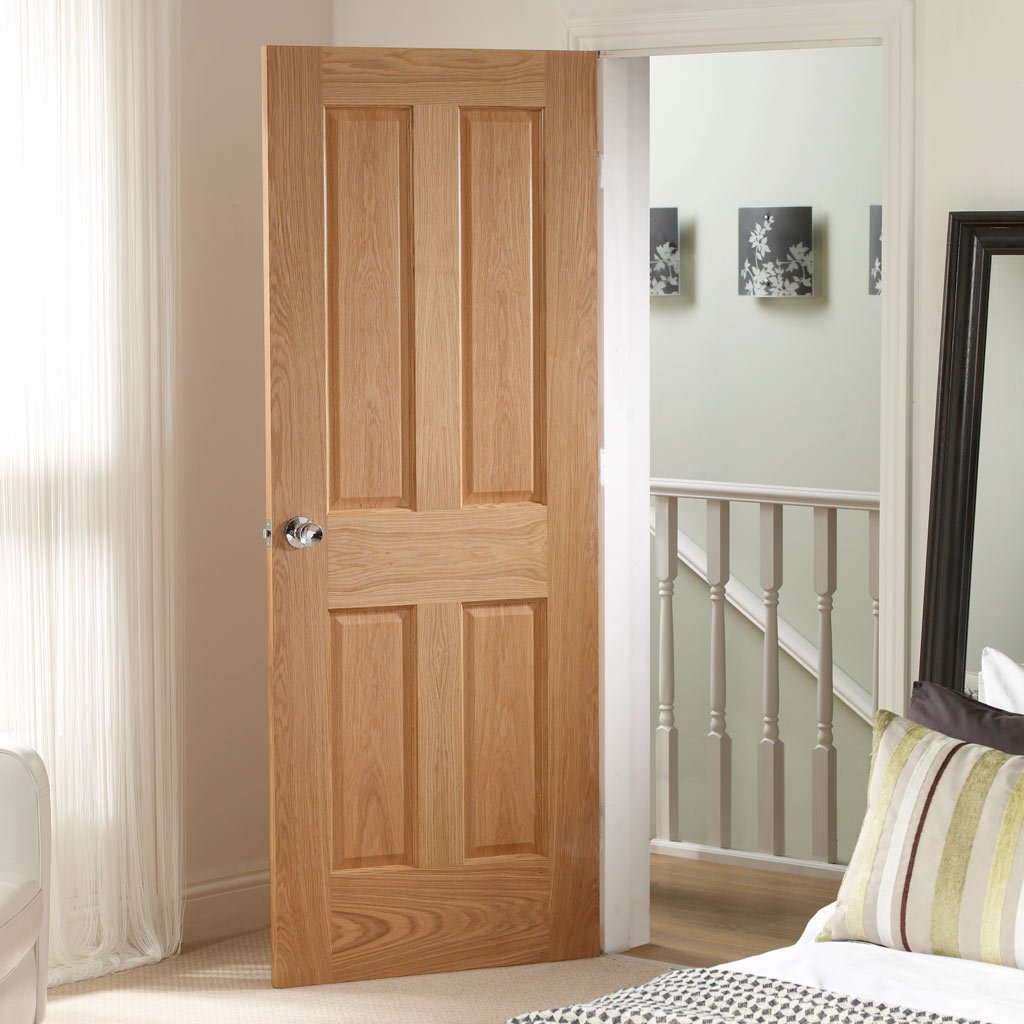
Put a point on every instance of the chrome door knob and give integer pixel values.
(301, 532)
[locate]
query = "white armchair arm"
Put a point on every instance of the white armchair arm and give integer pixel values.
(25, 836)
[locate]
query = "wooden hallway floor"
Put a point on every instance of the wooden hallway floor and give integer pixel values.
(704, 914)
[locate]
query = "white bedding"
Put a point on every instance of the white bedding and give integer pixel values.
(939, 984)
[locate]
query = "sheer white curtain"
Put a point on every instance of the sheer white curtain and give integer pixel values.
(88, 622)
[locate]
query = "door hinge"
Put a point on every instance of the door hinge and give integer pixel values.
(602, 458)
(600, 170)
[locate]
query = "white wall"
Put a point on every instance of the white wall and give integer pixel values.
(221, 379)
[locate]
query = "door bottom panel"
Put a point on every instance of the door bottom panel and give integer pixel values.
(393, 921)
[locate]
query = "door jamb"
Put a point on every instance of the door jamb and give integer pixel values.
(625, 568)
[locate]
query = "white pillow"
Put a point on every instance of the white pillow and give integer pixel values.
(1001, 681)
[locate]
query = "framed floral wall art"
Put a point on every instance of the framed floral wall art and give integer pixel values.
(776, 257)
(875, 250)
(664, 250)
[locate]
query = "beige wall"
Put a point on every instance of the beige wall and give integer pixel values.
(221, 441)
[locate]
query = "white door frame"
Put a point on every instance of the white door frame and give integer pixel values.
(627, 40)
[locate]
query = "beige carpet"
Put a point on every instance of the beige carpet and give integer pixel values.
(229, 983)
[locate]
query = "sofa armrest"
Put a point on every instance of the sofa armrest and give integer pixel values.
(25, 836)
(24, 812)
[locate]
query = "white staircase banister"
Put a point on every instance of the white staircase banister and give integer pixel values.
(791, 641)
(764, 494)
(713, 565)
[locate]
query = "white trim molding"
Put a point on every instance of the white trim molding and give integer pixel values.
(629, 39)
(748, 859)
(896, 369)
(711, 490)
(865, 23)
(625, 551)
(225, 905)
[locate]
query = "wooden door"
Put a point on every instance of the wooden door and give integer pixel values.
(431, 318)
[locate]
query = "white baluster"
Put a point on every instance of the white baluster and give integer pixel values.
(823, 757)
(666, 738)
(719, 742)
(873, 592)
(770, 752)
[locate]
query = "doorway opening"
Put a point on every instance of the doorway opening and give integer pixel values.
(678, 797)
(765, 321)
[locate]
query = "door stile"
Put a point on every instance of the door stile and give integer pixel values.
(296, 586)
(572, 386)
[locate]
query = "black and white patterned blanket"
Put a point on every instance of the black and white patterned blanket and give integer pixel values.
(727, 997)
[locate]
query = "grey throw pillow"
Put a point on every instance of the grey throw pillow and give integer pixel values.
(942, 710)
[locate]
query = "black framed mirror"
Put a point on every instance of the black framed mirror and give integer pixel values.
(948, 635)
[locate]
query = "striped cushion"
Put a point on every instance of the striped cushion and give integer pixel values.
(939, 863)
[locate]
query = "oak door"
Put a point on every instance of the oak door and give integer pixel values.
(431, 323)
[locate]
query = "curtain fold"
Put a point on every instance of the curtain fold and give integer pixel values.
(89, 645)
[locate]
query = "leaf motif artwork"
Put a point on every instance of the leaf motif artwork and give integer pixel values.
(664, 265)
(875, 250)
(776, 251)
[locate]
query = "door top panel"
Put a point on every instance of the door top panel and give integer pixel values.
(477, 77)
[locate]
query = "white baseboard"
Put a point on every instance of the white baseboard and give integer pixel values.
(748, 859)
(217, 908)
